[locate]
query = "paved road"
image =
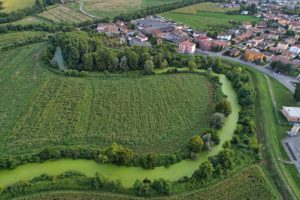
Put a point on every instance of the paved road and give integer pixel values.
(287, 81)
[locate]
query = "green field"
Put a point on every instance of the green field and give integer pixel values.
(15, 37)
(13, 5)
(207, 21)
(146, 113)
(204, 7)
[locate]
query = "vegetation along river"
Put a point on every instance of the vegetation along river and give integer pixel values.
(128, 175)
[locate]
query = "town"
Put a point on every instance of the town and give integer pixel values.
(273, 42)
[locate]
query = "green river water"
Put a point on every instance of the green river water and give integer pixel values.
(128, 175)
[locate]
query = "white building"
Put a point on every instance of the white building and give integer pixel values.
(292, 114)
(224, 37)
(295, 49)
(295, 131)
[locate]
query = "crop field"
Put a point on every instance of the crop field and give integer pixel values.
(14, 37)
(112, 8)
(204, 7)
(13, 5)
(146, 113)
(64, 14)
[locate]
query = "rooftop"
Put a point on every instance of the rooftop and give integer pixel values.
(292, 111)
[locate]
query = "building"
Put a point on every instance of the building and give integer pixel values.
(224, 37)
(295, 131)
(251, 56)
(292, 114)
(142, 37)
(282, 45)
(187, 47)
(295, 49)
(247, 25)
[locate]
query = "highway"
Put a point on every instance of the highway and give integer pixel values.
(287, 81)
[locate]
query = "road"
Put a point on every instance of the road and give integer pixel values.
(86, 13)
(287, 81)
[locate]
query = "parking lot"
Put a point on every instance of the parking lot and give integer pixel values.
(292, 147)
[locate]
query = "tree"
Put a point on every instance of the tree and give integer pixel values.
(148, 67)
(164, 64)
(123, 63)
(196, 144)
(225, 159)
(192, 65)
(224, 107)
(162, 186)
(119, 154)
(205, 170)
(217, 120)
(297, 92)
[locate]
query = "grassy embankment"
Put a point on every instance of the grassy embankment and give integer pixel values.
(240, 186)
(285, 176)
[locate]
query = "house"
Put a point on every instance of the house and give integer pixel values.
(186, 47)
(292, 114)
(247, 25)
(224, 37)
(282, 45)
(257, 40)
(108, 29)
(291, 40)
(251, 56)
(295, 49)
(142, 37)
(221, 44)
(273, 36)
(268, 56)
(234, 52)
(206, 44)
(295, 131)
(294, 26)
(283, 59)
(288, 53)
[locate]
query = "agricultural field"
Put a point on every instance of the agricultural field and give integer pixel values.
(13, 5)
(112, 8)
(64, 14)
(204, 7)
(239, 186)
(215, 20)
(15, 37)
(146, 113)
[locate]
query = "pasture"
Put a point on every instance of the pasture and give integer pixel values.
(13, 5)
(208, 21)
(64, 14)
(146, 113)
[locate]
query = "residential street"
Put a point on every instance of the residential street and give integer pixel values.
(287, 81)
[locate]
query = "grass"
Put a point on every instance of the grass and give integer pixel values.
(208, 21)
(31, 20)
(13, 5)
(146, 113)
(14, 37)
(284, 176)
(64, 14)
(204, 7)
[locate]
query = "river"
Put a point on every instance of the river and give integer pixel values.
(128, 175)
